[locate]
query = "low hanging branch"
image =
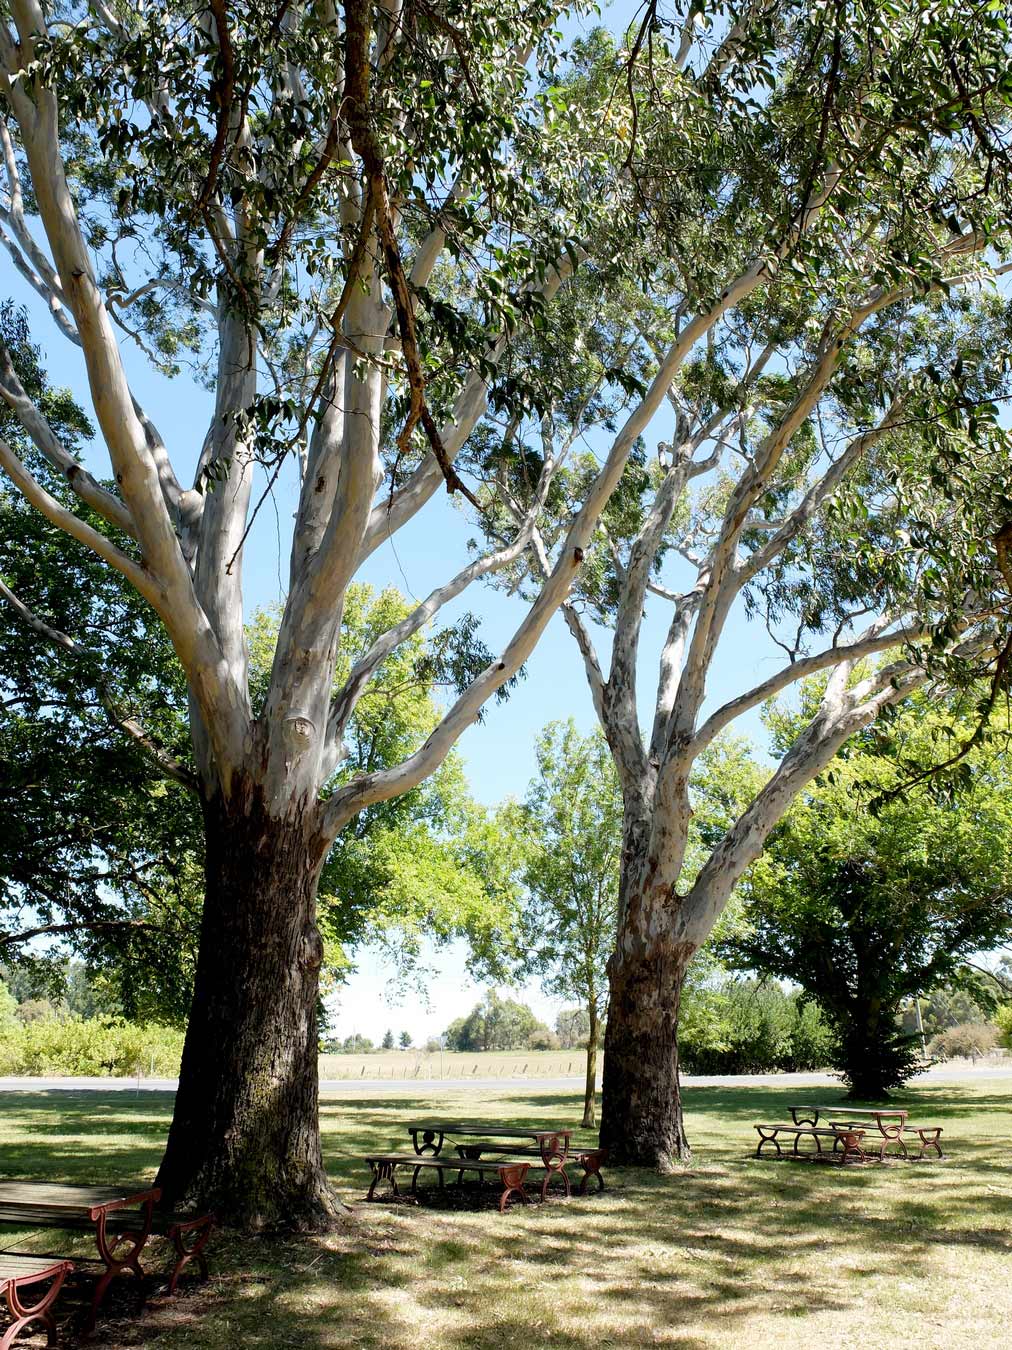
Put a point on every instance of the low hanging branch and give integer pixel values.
(365, 145)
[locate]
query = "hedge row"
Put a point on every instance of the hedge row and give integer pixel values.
(89, 1048)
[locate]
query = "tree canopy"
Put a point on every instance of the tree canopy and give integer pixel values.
(418, 247)
(867, 897)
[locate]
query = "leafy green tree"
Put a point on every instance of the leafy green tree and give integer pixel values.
(868, 895)
(573, 821)
(833, 466)
(572, 1026)
(495, 1024)
(405, 1040)
(388, 1040)
(751, 1026)
(357, 1045)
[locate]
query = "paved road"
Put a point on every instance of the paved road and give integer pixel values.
(412, 1087)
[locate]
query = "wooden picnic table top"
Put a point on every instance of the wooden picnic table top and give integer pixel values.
(844, 1110)
(473, 1128)
(53, 1196)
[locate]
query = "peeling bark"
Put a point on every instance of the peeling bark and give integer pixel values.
(641, 1113)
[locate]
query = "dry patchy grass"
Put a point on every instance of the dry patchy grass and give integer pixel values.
(729, 1252)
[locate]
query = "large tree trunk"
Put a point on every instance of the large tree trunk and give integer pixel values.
(590, 1091)
(245, 1139)
(641, 1109)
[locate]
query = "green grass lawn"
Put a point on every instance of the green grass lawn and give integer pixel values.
(730, 1252)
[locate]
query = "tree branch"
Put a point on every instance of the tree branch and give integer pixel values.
(157, 753)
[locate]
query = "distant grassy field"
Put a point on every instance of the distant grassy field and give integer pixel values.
(728, 1254)
(406, 1064)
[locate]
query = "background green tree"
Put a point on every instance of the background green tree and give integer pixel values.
(498, 1023)
(869, 894)
(573, 819)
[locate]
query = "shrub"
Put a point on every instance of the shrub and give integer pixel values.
(90, 1047)
(1003, 1020)
(967, 1041)
(750, 1026)
(542, 1038)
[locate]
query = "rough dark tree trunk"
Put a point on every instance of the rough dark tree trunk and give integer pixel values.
(590, 1091)
(641, 1106)
(245, 1139)
(875, 1054)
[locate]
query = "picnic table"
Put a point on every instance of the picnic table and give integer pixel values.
(890, 1123)
(551, 1145)
(121, 1218)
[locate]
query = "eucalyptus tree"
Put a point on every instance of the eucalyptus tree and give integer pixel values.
(344, 214)
(832, 464)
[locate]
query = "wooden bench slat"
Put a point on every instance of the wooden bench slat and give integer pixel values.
(37, 1217)
(446, 1164)
(54, 1195)
(15, 1267)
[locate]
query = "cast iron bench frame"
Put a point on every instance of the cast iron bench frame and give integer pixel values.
(591, 1160)
(21, 1271)
(851, 1139)
(552, 1145)
(511, 1173)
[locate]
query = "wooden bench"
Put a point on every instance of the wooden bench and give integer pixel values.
(893, 1132)
(922, 1132)
(851, 1139)
(19, 1273)
(591, 1160)
(116, 1217)
(512, 1173)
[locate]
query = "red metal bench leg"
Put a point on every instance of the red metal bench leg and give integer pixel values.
(592, 1164)
(852, 1143)
(934, 1142)
(37, 1312)
(201, 1229)
(115, 1265)
(550, 1174)
(512, 1179)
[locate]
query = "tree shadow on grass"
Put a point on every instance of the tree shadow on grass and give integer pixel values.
(721, 1243)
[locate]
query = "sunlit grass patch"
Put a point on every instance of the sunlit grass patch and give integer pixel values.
(727, 1252)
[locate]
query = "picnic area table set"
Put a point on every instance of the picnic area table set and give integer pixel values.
(122, 1219)
(857, 1133)
(506, 1153)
